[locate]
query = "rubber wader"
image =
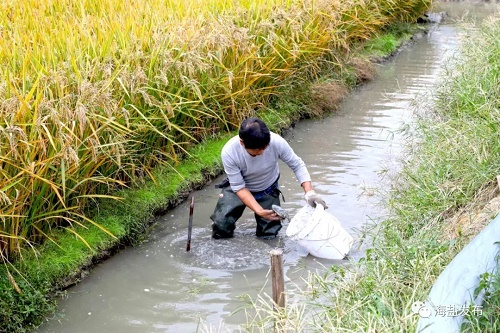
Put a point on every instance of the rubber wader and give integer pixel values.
(229, 209)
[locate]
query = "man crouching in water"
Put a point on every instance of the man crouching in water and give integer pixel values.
(251, 164)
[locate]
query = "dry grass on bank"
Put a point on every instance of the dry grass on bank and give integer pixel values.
(471, 219)
(326, 97)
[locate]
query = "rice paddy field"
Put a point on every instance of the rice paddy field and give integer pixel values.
(96, 95)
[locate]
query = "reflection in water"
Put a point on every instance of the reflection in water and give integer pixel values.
(158, 287)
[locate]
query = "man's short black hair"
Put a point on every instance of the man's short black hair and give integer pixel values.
(254, 133)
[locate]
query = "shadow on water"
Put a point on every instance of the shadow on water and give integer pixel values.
(159, 287)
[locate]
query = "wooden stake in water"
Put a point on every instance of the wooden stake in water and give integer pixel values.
(278, 278)
(190, 225)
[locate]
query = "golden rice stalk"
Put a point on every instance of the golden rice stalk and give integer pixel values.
(13, 283)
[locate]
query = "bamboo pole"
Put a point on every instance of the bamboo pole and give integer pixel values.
(278, 278)
(190, 225)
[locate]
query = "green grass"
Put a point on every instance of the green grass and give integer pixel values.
(488, 318)
(455, 158)
(389, 41)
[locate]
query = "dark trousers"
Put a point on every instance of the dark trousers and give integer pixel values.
(229, 209)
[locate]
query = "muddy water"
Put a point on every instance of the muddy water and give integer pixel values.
(159, 287)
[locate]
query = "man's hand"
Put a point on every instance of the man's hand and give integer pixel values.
(247, 198)
(270, 215)
(313, 198)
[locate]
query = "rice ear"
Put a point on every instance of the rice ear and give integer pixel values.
(13, 283)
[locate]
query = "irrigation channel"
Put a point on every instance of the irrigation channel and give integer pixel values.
(159, 287)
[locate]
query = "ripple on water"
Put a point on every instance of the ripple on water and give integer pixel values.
(242, 252)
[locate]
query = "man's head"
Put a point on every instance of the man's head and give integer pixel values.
(254, 136)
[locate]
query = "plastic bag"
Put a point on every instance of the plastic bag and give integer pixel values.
(320, 233)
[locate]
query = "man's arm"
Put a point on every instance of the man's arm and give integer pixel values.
(307, 186)
(298, 166)
(247, 198)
